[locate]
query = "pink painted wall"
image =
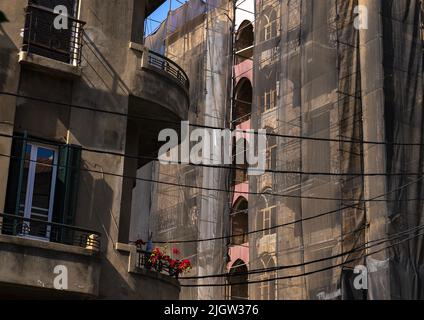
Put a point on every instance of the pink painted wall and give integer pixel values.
(244, 70)
(238, 252)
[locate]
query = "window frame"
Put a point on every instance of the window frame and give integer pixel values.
(29, 188)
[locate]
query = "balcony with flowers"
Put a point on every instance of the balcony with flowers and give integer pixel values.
(159, 261)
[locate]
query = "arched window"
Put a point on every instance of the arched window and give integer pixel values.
(270, 23)
(243, 102)
(237, 279)
(239, 221)
(266, 217)
(244, 42)
(268, 288)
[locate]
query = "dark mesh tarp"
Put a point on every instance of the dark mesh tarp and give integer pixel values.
(315, 75)
(197, 36)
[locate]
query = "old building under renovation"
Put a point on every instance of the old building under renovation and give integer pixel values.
(335, 89)
(337, 85)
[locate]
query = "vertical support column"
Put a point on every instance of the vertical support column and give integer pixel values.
(372, 82)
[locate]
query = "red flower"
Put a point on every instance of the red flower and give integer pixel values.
(172, 263)
(176, 251)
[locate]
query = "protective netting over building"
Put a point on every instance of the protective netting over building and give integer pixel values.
(198, 37)
(322, 71)
(331, 73)
(306, 84)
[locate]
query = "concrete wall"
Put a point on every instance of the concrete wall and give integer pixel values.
(27, 262)
(9, 81)
(107, 71)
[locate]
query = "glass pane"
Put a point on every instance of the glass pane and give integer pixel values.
(27, 162)
(41, 194)
(42, 180)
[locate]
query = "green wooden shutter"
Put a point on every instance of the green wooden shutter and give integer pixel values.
(14, 184)
(66, 190)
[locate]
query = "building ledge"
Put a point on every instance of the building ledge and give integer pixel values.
(131, 250)
(47, 65)
(157, 276)
(28, 264)
(52, 246)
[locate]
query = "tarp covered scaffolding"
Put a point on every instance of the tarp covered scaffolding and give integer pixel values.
(321, 72)
(198, 37)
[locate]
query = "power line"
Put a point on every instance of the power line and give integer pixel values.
(306, 273)
(224, 167)
(294, 221)
(240, 167)
(222, 237)
(362, 247)
(286, 136)
(219, 189)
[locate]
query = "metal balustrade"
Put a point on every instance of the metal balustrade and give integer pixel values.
(41, 37)
(163, 63)
(49, 231)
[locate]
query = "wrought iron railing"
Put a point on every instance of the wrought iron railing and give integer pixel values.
(143, 262)
(163, 63)
(49, 231)
(41, 37)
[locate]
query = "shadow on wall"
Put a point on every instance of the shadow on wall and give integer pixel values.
(7, 49)
(102, 88)
(94, 211)
(94, 208)
(105, 73)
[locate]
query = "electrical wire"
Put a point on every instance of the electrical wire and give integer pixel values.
(266, 193)
(233, 168)
(360, 248)
(230, 236)
(241, 168)
(122, 114)
(306, 273)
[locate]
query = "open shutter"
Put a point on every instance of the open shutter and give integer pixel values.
(14, 184)
(66, 191)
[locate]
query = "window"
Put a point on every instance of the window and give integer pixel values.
(271, 149)
(244, 42)
(269, 57)
(42, 188)
(267, 289)
(37, 194)
(238, 281)
(271, 156)
(268, 31)
(243, 102)
(270, 23)
(266, 217)
(240, 222)
(268, 220)
(269, 100)
(240, 153)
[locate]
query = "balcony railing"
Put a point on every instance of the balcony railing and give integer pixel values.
(163, 63)
(143, 262)
(41, 37)
(49, 231)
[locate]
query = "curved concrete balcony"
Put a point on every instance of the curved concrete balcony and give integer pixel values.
(161, 86)
(156, 284)
(159, 89)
